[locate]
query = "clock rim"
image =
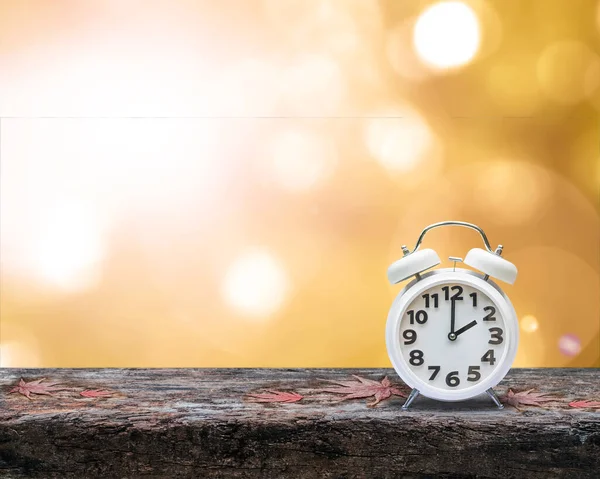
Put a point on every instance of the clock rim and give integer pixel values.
(431, 279)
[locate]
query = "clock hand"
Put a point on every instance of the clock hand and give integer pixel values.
(465, 328)
(452, 334)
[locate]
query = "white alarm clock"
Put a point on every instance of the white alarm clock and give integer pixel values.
(452, 333)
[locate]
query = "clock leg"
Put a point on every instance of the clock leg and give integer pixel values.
(411, 397)
(491, 393)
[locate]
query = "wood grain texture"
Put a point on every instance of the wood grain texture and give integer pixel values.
(197, 423)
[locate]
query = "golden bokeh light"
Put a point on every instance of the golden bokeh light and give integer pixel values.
(568, 71)
(69, 247)
(18, 346)
(95, 76)
(256, 284)
(114, 166)
(188, 185)
(336, 26)
(249, 87)
(569, 345)
(312, 84)
(5, 356)
(529, 324)
(399, 139)
(402, 55)
(491, 27)
(447, 35)
(585, 173)
(279, 12)
(576, 279)
(532, 351)
(510, 192)
(300, 159)
(502, 78)
(16, 354)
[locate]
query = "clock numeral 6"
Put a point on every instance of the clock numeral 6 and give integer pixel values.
(416, 357)
(452, 379)
(474, 374)
(410, 335)
(489, 357)
(420, 317)
(496, 336)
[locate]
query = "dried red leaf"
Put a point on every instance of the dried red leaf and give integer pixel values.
(585, 404)
(36, 387)
(526, 398)
(96, 393)
(364, 388)
(275, 396)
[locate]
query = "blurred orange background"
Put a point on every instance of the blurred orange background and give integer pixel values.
(196, 183)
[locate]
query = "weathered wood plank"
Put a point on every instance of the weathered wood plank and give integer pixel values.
(196, 423)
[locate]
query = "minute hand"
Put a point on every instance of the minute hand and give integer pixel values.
(465, 328)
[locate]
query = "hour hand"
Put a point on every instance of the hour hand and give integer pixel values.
(466, 327)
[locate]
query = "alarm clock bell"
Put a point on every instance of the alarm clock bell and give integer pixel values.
(488, 262)
(412, 264)
(492, 264)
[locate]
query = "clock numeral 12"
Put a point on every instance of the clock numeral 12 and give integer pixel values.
(456, 296)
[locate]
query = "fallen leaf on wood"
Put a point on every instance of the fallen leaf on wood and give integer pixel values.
(96, 393)
(275, 396)
(36, 387)
(585, 404)
(364, 388)
(526, 398)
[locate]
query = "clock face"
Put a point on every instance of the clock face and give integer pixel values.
(452, 336)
